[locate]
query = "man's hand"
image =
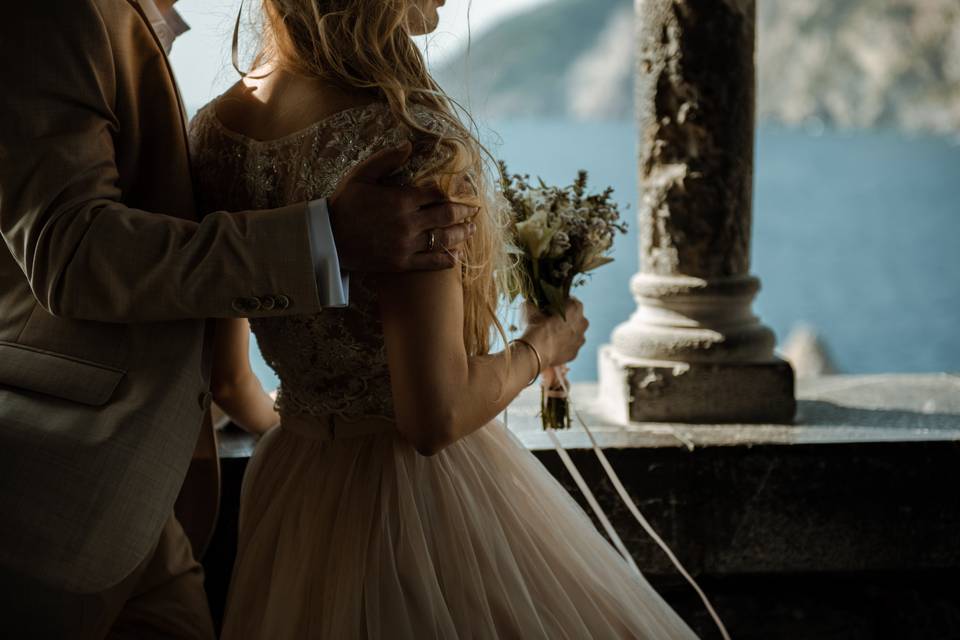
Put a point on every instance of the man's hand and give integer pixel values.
(381, 227)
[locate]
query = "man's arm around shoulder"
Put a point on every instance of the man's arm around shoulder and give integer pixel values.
(85, 253)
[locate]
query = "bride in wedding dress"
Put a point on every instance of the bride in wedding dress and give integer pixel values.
(390, 503)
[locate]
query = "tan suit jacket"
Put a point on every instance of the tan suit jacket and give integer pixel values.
(106, 274)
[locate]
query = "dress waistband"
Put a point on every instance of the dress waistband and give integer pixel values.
(335, 427)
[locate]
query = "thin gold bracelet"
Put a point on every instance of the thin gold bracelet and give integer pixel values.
(536, 353)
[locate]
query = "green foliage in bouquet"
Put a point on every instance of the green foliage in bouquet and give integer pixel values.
(559, 234)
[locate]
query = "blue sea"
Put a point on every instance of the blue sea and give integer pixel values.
(856, 235)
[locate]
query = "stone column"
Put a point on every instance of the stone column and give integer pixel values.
(693, 351)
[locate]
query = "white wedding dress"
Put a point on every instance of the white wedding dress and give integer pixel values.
(361, 537)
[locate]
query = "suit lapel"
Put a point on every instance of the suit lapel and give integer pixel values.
(173, 79)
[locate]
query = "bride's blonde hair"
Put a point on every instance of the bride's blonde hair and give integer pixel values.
(366, 45)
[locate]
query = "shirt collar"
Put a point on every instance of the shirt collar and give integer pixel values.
(168, 25)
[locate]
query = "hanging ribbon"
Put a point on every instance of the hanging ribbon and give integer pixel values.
(592, 501)
(631, 506)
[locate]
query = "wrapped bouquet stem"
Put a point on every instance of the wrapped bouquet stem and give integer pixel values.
(559, 235)
(554, 398)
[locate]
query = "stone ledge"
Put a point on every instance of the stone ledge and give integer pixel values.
(864, 482)
(831, 410)
(771, 509)
(840, 409)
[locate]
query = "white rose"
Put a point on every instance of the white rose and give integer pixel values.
(535, 234)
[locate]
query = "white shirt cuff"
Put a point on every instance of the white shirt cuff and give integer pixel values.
(334, 287)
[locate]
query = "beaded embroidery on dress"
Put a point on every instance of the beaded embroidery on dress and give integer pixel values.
(333, 362)
(362, 537)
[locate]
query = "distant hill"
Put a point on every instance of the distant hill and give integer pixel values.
(523, 66)
(849, 63)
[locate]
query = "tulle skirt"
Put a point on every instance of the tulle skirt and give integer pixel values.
(364, 538)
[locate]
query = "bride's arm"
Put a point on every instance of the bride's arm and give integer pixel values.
(233, 384)
(440, 393)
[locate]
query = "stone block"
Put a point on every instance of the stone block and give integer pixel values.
(712, 393)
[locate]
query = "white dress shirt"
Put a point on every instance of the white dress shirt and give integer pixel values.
(168, 25)
(333, 286)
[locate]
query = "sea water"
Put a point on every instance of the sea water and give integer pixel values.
(856, 235)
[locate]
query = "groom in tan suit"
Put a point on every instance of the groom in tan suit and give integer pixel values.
(107, 272)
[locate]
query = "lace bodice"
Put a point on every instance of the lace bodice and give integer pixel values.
(333, 361)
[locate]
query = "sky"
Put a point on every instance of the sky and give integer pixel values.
(201, 57)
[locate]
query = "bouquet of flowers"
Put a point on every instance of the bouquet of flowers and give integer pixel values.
(559, 234)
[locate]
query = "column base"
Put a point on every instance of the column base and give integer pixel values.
(634, 390)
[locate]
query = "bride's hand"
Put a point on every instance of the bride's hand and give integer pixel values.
(557, 339)
(381, 227)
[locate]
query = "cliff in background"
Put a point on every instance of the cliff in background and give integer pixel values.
(853, 63)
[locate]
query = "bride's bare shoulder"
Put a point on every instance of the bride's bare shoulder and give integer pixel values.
(271, 104)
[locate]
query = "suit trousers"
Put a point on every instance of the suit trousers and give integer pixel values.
(162, 598)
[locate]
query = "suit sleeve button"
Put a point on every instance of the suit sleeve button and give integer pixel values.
(283, 303)
(246, 305)
(267, 303)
